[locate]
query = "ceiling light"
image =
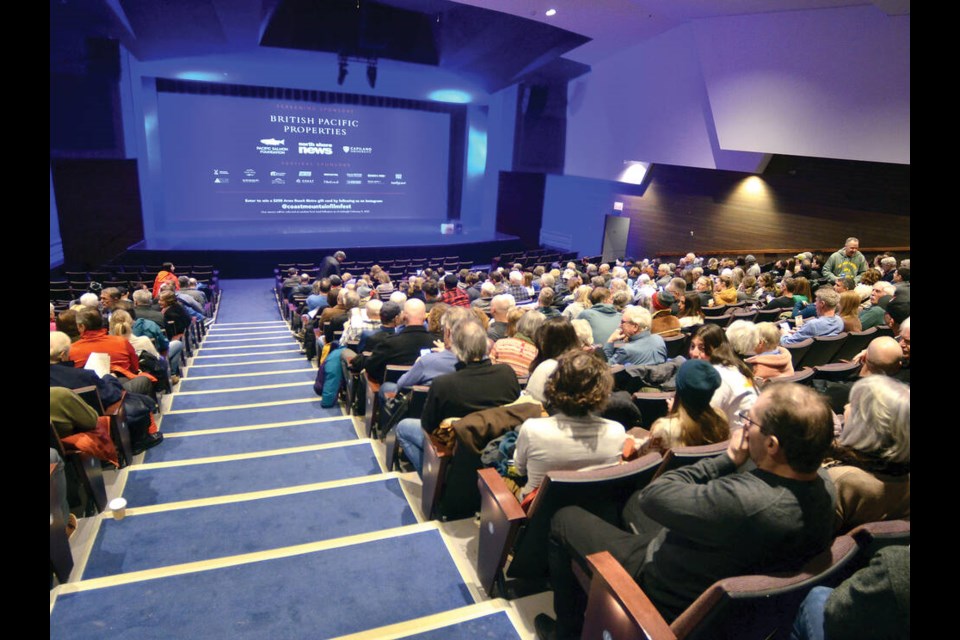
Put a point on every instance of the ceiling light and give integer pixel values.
(551, 12)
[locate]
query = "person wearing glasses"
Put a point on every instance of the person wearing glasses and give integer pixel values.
(705, 522)
(632, 342)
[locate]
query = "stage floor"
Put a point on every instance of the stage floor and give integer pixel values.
(341, 238)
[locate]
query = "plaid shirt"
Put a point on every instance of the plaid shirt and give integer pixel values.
(455, 297)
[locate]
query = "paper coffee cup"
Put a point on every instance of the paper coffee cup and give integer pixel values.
(119, 508)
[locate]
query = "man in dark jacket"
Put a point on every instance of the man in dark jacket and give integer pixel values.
(705, 522)
(331, 265)
(404, 347)
(476, 384)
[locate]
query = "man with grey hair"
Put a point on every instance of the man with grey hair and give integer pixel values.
(743, 336)
(633, 343)
(827, 322)
(361, 319)
(476, 384)
(487, 291)
(499, 308)
(331, 265)
(516, 288)
(846, 262)
(880, 297)
(91, 300)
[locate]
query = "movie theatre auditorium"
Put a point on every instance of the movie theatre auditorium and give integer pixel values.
(344, 261)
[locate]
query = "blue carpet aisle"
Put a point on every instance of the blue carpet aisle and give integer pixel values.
(264, 515)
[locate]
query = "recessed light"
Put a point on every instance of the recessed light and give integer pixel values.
(551, 12)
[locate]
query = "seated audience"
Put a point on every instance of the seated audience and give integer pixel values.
(500, 308)
(827, 323)
(574, 436)
(477, 384)
(691, 420)
(603, 317)
(518, 349)
(633, 343)
(737, 391)
(870, 461)
(122, 325)
(94, 339)
(690, 310)
(724, 291)
(849, 309)
(704, 522)
(743, 337)
(880, 297)
(875, 597)
(663, 322)
(772, 360)
(69, 413)
(554, 337)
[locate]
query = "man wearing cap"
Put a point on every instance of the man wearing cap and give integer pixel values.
(753, 269)
(632, 342)
(827, 322)
(846, 262)
(705, 522)
(880, 297)
(389, 318)
(404, 347)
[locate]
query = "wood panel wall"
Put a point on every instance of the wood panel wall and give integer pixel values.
(797, 204)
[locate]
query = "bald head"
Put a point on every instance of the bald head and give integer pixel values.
(414, 312)
(883, 357)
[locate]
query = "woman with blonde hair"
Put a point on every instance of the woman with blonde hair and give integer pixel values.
(581, 301)
(849, 311)
(691, 420)
(121, 324)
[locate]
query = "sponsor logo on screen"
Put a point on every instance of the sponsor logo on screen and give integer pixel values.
(278, 181)
(349, 149)
(275, 174)
(249, 173)
(305, 174)
(221, 172)
(315, 148)
(272, 147)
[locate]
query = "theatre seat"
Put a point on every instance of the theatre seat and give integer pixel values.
(750, 607)
(506, 529)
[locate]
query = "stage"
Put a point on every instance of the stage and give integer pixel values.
(256, 256)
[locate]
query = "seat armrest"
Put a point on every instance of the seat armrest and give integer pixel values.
(500, 520)
(617, 607)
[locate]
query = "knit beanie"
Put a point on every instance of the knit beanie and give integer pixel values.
(696, 382)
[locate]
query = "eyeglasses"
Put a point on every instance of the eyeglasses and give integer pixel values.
(746, 421)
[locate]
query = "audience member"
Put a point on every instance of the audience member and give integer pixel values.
(165, 275)
(574, 436)
(743, 337)
(554, 337)
(870, 461)
(724, 291)
(849, 310)
(632, 342)
(827, 323)
(772, 360)
(500, 308)
(94, 338)
(579, 303)
(477, 384)
(876, 597)
(330, 265)
(845, 262)
(771, 518)
(691, 420)
(404, 347)
(518, 349)
(691, 313)
(737, 390)
(603, 317)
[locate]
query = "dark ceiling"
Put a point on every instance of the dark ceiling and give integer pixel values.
(490, 48)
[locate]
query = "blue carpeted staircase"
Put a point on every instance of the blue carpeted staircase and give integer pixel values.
(264, 515)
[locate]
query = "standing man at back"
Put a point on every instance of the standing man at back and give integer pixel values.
(331, 265)
(704, 522)
(846, 262)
